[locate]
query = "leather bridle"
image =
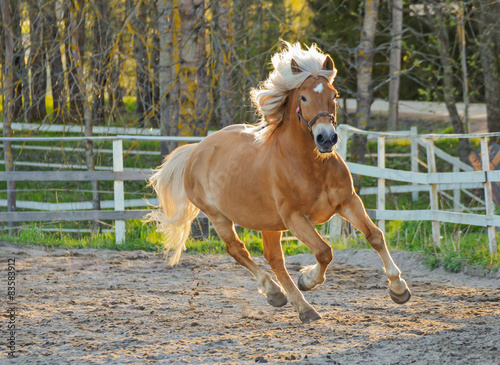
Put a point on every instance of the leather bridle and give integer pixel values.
(310, 124)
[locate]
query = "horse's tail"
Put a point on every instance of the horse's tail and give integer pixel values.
(175, 212)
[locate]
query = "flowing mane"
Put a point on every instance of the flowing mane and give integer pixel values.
(269, 98)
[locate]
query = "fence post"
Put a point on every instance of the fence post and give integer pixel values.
(414, 157)
(336, 221)
(488, 195)
(456, 192)
(431, 167)
(119, 194)
(381, 181)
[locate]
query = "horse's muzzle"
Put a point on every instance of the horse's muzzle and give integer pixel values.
(325, 141)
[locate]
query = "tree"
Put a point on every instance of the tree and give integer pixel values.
(364, 98)
(37, 62)
(489, 44)
(168, 28)
(8, 103)
(395, 63)
(436, 18)
(223, 16)
(143, 85)
(54, 59)
(74, 18)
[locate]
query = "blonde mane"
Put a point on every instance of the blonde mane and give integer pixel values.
(269, 98)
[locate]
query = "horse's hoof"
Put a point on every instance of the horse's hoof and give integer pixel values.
(301, 285)
(277, 300)
(310, 316)
(400, 298)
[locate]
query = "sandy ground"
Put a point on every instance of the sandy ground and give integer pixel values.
(100, 307)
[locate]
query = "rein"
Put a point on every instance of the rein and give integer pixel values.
(310, 124)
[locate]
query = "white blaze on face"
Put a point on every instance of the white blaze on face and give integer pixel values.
(318, 88)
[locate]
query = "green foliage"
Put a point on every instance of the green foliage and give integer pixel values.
(461, 245)
(139, 237)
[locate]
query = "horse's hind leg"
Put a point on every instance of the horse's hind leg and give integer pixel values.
(236, 248)
(273, 253)
(356, 214)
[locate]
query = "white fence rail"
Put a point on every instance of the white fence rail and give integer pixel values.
(430, 182)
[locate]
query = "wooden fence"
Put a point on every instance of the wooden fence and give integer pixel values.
(463, 177)
(431, 182)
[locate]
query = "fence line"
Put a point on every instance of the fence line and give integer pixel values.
(432, 181)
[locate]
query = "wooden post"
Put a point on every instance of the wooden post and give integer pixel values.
(381, 181)
(336, 221)
(431, 167)
(488, 195)
(456, 192)
(414, 158)
(119, 194)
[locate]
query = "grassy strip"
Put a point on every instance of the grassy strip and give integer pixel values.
(460, 246)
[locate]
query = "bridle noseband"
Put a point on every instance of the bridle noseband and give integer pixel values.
(310, 124)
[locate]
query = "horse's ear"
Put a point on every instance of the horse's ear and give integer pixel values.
(295, 67)
(328, 64)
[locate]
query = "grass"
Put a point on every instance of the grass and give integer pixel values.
(462, 246)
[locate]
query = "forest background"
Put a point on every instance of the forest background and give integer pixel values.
(186, 66)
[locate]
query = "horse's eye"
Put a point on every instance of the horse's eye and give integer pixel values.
(303, 98)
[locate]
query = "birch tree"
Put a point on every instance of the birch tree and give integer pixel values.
(364, 98)
(395, 63)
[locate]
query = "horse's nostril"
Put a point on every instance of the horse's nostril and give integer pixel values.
(320, 138)
(335, 138)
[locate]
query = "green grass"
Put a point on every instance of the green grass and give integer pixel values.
(462, 246)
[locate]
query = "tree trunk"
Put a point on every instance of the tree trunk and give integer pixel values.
(21, 89)
(188, 66)
(8, 104)
(395, 63)
(75, 35)
(202, 99)
(443, 47)
(155, 59)
(37, 63)
(75, 54)
(224, 21)
(489, 41)
(100, 61)
(364, 97)
(56, 66)
(142, 89)
(168, 27)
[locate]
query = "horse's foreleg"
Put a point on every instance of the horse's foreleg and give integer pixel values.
(274, 255)
(312, 275)
(355, 213)
(236, 248)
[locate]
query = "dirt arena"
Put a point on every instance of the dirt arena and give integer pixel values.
(107, 307)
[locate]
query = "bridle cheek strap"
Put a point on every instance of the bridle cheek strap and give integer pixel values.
(310, 124)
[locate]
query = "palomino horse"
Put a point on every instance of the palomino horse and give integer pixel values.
(281, 175)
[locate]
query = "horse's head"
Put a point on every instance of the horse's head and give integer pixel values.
(316, 107)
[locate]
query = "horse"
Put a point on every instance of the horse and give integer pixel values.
(282, 174)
